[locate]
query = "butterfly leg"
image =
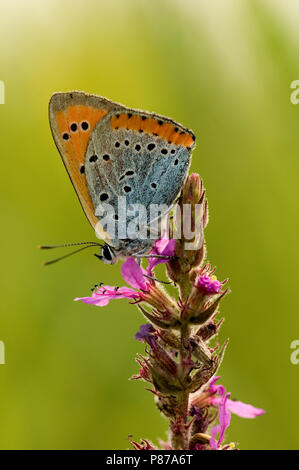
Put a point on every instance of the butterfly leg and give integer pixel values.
(153, 256)
(157, 280)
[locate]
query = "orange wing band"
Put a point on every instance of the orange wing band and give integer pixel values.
(153, 126)
(75, 125)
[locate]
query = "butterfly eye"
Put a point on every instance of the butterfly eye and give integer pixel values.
(108, 255)
(84, 125)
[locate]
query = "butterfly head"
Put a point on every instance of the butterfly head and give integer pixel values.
(107, 255)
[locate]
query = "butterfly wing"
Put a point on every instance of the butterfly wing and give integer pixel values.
(73, 116)
(136, 154)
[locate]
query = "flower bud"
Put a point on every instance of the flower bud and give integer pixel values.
(144, 372)
(199, 440)
(204, 374)
(144, 445)
(200, 350)
(159, 299)
(202, 316)
(188, 229)
(158, 320)
(163, 381)
(206, 371)
(206, 332)
(205, 295)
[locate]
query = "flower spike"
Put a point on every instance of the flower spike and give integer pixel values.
(179, 363)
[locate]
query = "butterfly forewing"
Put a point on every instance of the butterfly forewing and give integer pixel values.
(73, 117)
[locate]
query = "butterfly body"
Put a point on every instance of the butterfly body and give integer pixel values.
(113, 153)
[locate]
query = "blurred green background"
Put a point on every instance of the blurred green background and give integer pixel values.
(222, 68)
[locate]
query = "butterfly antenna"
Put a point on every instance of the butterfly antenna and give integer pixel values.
(49, 247)
(46, 263)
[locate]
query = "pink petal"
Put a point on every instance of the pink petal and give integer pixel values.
(243, 409)
(133, 274)
(224, 416)
(213, 442)
(98, 301)
(164, 246)
(216, 388)
(214, 379)
(101, 299)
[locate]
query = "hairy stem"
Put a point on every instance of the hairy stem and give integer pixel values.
(179, 431)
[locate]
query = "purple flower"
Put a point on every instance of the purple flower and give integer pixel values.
(217, 396)
(208, 284)
(134, 275)
(244, 410)
(144, 333)
(165, 247)
(226, 406)
(224, 416)
(239, 408)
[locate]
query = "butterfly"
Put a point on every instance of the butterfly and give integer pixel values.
(111, 151)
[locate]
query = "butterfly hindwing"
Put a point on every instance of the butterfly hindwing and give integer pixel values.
(139, 155)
